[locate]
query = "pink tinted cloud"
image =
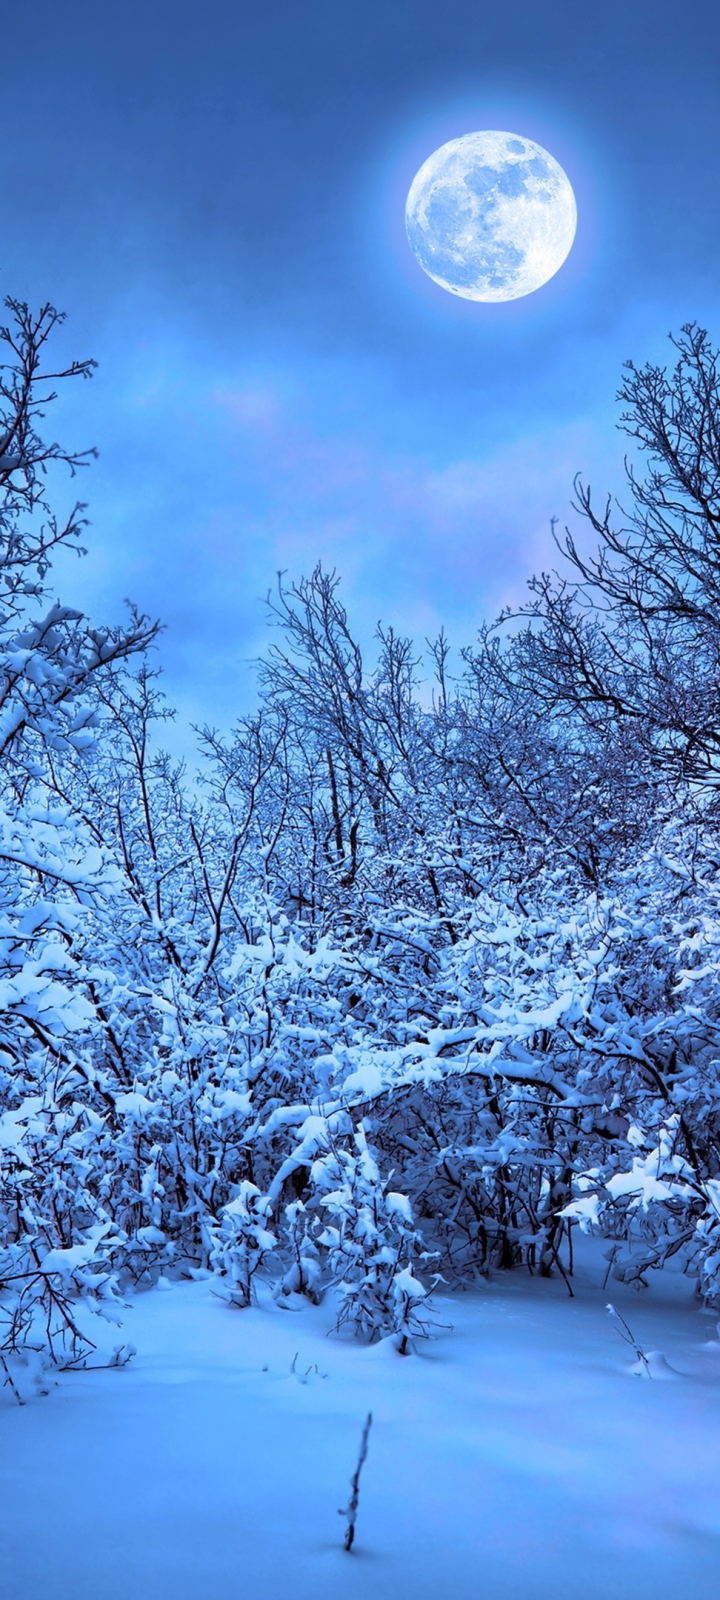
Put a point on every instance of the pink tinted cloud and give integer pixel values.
(458, 536)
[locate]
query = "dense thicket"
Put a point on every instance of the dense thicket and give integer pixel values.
(420, 972)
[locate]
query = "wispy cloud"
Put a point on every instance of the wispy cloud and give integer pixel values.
(207, 487)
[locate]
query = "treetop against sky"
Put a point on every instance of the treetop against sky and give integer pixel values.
(215, 193)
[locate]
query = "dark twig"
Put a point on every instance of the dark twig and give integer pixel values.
(628, 1336)
(351, 1509)
(9, 1380)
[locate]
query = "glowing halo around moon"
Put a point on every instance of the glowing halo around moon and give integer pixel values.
(491, 216)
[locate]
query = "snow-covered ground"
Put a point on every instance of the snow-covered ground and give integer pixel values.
(515, 1458)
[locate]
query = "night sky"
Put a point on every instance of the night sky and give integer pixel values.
(214, 193)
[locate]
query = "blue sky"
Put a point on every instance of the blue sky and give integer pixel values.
(214, 192)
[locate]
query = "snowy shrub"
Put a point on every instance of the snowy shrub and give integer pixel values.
(304, 1272)
(370, 1232)
(408, 1295)
(240, 1243)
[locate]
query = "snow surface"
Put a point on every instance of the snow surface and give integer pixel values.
(516, 1458)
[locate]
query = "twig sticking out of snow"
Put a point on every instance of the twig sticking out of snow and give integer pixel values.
(9, 1380)
(628, 1336)
(351, 1509)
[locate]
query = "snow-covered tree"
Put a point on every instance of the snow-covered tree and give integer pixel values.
(403, 979)
(54, 1234)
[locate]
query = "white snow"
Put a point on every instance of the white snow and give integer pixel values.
(514, 1458)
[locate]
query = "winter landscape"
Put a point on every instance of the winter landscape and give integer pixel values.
(389, 1000)
(360, 1051)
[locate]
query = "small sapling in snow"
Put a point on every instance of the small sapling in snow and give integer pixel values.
(350, 1511)
(241, 1241)
(626, 1334)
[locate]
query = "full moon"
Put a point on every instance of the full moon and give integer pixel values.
(490, 216)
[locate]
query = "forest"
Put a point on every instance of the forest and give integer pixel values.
(415, 973)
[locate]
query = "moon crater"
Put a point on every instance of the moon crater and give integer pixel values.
(491, 216)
